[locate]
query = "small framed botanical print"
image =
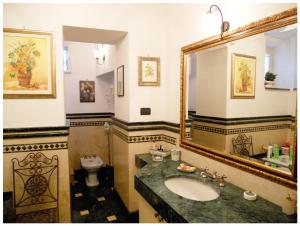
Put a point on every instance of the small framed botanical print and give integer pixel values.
(243, 76)
(149, 71)
(120, 81)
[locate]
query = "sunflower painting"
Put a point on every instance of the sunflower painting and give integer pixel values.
(28, 64)
(243, 76)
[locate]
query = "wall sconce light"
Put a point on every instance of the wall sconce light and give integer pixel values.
(214, 9)
(99, 54)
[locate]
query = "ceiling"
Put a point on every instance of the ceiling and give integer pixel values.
(92, 35)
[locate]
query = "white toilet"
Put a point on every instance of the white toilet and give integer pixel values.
(91, 163)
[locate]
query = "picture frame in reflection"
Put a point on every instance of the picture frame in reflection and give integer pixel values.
(120, 81)
(243, 73)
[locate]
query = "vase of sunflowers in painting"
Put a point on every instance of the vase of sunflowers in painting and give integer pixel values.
(23, 61)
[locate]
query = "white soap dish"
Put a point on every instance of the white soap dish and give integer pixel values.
(249, 195)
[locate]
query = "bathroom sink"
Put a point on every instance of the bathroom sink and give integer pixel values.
(191, 189)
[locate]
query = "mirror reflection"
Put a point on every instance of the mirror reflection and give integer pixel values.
(241, 97)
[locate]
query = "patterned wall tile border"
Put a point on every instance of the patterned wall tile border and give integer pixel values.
(89, 115)
(145, 138)
(87, 123)
(244, 120)
(15, 148)
(241, 130)
(33, 132)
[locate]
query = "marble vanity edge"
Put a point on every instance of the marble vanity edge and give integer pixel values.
(168, 213)
(139, 163)
(164, 210)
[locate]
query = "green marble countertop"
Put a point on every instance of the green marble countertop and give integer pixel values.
(229, 207)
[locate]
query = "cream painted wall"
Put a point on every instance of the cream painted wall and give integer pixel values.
(35, 112)
(146, 38)
(211, 82)
(84, 67)
(284, 62)
(162, 36)
(110, 58)
(122, 58)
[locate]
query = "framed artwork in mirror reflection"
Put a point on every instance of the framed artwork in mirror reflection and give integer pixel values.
(87, 91)
(120, 81)
(243, 72)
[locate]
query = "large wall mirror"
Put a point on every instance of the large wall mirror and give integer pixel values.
(230, 111)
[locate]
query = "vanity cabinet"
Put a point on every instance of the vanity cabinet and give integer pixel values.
(147, 214)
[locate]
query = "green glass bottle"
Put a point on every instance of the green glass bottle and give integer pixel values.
(276, 152)
(291, 152)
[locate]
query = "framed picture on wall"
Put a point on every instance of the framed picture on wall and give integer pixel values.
(87, 91)
(243, 72)
(149, 71)
(28, 64)
(120, 81)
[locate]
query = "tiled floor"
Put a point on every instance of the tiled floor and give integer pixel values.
(102, 203)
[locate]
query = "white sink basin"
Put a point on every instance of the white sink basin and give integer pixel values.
(191, 189)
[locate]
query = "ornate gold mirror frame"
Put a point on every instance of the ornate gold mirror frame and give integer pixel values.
(269, 23)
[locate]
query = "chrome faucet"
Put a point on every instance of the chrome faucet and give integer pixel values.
(221, 180)
(205, 173)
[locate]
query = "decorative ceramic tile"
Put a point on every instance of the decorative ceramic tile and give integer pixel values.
(111, 218)
(35, 147)
(101, 199)
(77, 195)
(240, 121)
(87, 123)
(145, 138)
(240, 130)
(84, 212)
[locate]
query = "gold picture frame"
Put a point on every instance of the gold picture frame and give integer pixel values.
(149, 71)
(28, 64)
(243, 73)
